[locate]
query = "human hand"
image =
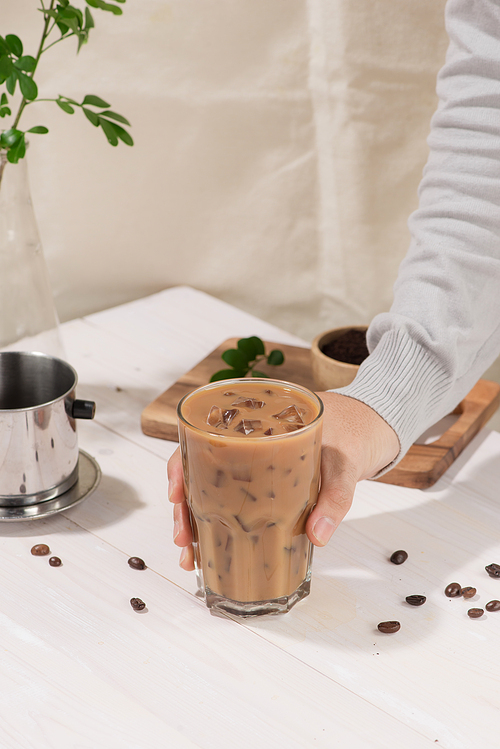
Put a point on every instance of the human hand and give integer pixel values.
(183, 535)
(357, 444)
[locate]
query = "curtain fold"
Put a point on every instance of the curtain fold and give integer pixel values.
(278, 149)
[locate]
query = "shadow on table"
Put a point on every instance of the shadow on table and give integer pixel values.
(109, 503)
(449, 531)
(113, 500)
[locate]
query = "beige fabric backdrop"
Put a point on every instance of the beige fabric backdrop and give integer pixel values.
(279, 146)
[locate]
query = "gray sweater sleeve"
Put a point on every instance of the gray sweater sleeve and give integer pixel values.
(443, 329)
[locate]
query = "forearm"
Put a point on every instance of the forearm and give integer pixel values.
(443, 329)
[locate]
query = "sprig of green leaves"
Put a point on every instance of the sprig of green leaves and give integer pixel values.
(18, 69)
(243, 359)
(107, 119)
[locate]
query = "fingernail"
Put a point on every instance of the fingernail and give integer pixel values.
(169, 489)
(176, 530)
(183, 555)
(323, 530)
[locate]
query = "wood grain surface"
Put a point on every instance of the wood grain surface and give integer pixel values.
(421, 467)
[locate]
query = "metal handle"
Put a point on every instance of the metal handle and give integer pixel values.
(83, 409)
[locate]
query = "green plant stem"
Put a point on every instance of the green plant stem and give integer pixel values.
(61, 39)
(46, 31)
(257, 359)
(3, 161)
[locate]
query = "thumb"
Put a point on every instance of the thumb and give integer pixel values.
(334, 499)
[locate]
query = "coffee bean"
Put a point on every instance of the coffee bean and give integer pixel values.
(388, 627)
(137, 563)
(468, 592)
(398, 557)
(493, 570)
(475, 613)
(40, 550)
(493, 605)
(55, 562)
(415, 600)
(137, 604)
(453, 590)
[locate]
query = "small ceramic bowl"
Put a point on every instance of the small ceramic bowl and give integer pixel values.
(330, 373)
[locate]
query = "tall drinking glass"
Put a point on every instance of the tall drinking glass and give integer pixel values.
(251, 452)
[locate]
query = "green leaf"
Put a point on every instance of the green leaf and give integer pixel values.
(82, 39)
(28, 87)
(4, 111)
(18, 151)
(65, 106)
(121, 133)
(225, 374)
(10, 83)
(10, 137)
(114, 116)
(92, 116)
(275, 358)
(26, 63)
(70, 23)
(235, 358)
(63, 28)
(109, 131)
(39, 129)
(248, 348)
(50, 13)
(6, 67)
(95, 101)
(105, 6)
(89, 21)
(3, 99)
(256, 373)
(251, 347)
(71, 11)
(14, 44)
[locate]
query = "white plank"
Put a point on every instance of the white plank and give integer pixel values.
(125, 357)
(121, 378)
(440, 672)
(355, 587)
(83, 669)
(178, 674)
(184, 323)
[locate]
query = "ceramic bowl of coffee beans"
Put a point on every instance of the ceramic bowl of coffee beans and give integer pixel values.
(336, 355)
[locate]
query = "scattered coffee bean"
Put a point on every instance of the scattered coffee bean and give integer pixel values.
(388, 627)
(137, 604)
(493, 605)
(453, 590)
(137, 563)
(55, 562)
(475, 613)
(468, 592)
(415, 600)
(398, 557)
(40, 550)
(493, 570)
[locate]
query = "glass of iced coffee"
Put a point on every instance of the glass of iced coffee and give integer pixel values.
(251, 453)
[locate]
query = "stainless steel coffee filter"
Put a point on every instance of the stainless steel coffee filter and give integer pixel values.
(38, 439)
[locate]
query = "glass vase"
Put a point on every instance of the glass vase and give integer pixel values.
(28, 316)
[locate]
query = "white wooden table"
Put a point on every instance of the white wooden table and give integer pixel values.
(81, 670)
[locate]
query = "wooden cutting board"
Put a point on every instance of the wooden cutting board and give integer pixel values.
(421, 467)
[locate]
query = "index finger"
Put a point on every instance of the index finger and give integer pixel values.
(175, 478)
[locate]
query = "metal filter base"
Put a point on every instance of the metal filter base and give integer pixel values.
(89, 475)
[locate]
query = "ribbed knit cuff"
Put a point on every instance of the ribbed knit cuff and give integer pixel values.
(403, 383)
